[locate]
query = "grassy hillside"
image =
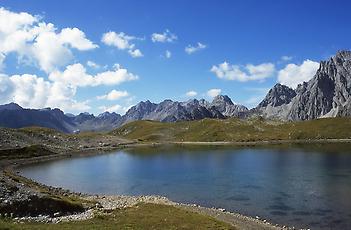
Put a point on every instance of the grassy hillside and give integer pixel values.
(236, 130)
(143, 216)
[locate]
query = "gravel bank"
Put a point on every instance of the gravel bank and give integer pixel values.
(235, 219)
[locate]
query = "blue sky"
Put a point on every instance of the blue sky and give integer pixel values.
(237, 48)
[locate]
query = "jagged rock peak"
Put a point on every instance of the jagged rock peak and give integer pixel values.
(107, 115)
(146, 103)
(222, 99)
(278, 95)
(326, 94)
(343, 55)
(224, 105)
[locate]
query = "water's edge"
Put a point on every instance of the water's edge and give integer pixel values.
(233, 218)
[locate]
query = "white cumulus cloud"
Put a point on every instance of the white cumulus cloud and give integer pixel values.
(76, 39)
(293, 74)
(213, 92)
(11, 22)
(192, 49)
(135, 53)
(76, 75)
(93, 64)
(38, 42)
(36, 92)
(61, 88)
(245, 73)
(166, 36)
(114, 108)
(121, 41)
(114, 95)
(191, 93)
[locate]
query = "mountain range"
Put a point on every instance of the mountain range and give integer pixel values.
(327, 94)
(14, 116)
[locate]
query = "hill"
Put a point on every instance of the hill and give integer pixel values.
(236, 130)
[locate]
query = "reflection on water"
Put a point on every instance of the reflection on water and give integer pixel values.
(302, 186)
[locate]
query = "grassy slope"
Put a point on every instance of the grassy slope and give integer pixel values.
(143, 216)
(25, 152)
(236, 130)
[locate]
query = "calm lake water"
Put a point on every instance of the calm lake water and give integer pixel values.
(301, 186)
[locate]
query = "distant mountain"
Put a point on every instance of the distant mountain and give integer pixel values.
(327, 94)
(14, 116)
(276, 103)
(277, 96)
(224, 105)
(171, 111)
(104, 121)
(139, 111)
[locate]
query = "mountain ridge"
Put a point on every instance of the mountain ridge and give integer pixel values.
(326, 94)
(14, 116)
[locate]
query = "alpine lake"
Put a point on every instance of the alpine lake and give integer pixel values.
(305, 186)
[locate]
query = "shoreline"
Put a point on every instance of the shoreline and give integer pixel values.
(111, 202)
(236, 219)
(108, 203)
(70, 153)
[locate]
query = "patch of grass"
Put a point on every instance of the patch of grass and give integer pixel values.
(42, 130)
(25, 152)
(142, 216)
(234, 129)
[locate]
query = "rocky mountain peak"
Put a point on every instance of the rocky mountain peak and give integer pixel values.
(220, 99)
(326, 94)
(342, 55)
(106, 115)
(277, 96)
(82, 117)
(224, 105)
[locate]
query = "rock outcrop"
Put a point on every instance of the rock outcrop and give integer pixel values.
(327, 94)
(224, 105)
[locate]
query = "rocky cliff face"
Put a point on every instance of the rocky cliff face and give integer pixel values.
(139, 111)
(171, 111)
(327, 94)
(224, 105)
(277, 96)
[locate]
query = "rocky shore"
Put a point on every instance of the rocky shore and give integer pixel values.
(16, 190)
(235, 219)
(22, 199)
(105, 204)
